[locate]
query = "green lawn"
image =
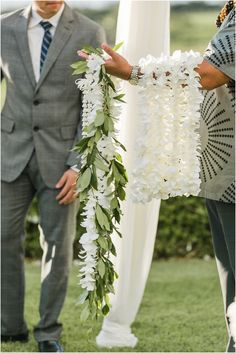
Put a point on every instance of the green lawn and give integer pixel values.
(181, 311)
(192, 29)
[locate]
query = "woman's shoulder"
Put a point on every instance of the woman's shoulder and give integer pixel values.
(229, 20)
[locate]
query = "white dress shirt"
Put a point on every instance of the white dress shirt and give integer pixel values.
(36, 34)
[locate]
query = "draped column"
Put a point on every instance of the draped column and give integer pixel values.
(144, 28)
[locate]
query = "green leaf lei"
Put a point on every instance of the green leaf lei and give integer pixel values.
(101, 184)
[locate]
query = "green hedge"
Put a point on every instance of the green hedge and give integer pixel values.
(182, 230)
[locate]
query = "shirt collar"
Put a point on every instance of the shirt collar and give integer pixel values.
(35, 18)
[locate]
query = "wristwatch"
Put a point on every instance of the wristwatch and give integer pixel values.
(134, 76)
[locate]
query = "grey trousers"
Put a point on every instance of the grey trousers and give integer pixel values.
(58, 224)
(222, 223)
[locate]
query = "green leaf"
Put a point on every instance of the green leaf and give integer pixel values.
(102, 241)
(100, 165)
(105, 310)
(111, 126)
(101, 268)
(116, 215)
(116, 172)
(90, 50)
(99, 50)
(108, 124)
(114, 203)
(98, 135)
(84, 180)
(83, 297)
(111, 288)
(91, 157)
(118, 157)
(113, 250)
(80, 68)
(94, 180)
(75, 64)
(122, 171)
(89, 128)
(107, 300)
(121, 193)
(104, 70)
(82, 196)
(100, 76)
(116, 275)
(82, 145)
(118, 46)
(110, 179)
(79, 64)
(100, 117)
(91, 144)
(102, 218)
(119, 98)
(119, 233)
(110, 83)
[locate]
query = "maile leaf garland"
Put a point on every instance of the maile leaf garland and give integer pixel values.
(102, 181)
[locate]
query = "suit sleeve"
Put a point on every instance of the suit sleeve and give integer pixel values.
(74, 159)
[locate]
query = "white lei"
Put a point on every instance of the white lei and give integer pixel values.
(93, 102)
(167, 161)
(168, 143)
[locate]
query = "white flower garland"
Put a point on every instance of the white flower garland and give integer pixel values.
(93, 101)
(168, 142)
(167, 163)
(101, 184)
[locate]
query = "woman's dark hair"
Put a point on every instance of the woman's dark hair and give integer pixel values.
(224, 12)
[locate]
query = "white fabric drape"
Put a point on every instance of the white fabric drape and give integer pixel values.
(144, 28)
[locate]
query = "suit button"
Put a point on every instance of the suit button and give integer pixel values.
(36, 128)
(36, 102)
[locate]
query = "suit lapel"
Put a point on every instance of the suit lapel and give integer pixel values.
(22, 42)
(61, 36)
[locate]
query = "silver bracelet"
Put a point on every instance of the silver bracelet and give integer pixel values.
(134, 76)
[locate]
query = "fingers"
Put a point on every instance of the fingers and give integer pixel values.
(67, 184)
(109, 50)
(64, 191)
(82, 54)
(105, 47)
(70, 197)
(61, 182)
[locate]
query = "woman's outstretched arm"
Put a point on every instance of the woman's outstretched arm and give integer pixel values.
(118, 66)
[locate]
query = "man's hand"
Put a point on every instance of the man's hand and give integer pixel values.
(67, 184)
(116, 65)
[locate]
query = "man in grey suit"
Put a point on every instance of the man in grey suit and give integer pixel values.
(40, 125)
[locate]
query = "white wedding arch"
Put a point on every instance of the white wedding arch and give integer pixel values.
(144, 28)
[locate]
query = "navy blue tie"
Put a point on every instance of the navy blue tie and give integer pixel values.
(47, 38)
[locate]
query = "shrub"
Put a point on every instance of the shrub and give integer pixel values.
(183, 230)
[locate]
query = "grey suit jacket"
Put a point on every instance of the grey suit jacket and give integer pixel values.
(43, 116)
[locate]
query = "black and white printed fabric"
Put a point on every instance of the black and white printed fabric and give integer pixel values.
(218, 119)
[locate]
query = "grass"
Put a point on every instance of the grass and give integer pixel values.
(192, 29)
(181, 311)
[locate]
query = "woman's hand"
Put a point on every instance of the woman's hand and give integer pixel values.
(116, 65)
